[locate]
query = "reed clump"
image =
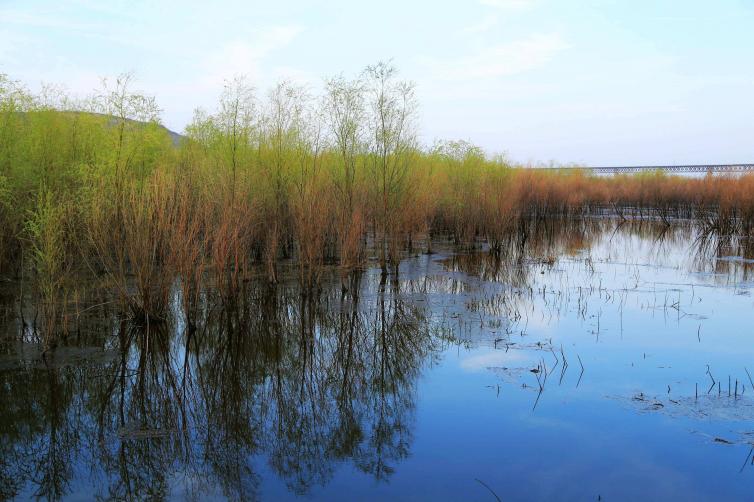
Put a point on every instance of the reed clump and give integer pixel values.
(49, 249)
(98, 188)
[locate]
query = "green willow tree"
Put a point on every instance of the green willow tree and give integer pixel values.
(392, 143)
(134, 117)
(237, 121)
(345, 115)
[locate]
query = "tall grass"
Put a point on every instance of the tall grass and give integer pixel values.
(49, 250)
(99, 187)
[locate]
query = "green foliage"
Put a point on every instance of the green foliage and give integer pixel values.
(99, 184)
(46, 229)
(5, 194)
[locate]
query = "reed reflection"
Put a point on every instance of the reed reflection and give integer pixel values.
(279, 380)
(303, 381)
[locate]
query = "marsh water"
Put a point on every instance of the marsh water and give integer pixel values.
(595, 360)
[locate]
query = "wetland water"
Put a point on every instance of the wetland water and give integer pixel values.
(590, 362)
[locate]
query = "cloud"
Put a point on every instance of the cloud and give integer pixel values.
(502, 59)
(245, 57)
(492, 19)
(507, 4)
(495, 358)
(42, 19)
(483, 26)
(10, 45)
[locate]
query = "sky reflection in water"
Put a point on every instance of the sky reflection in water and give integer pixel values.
(579, 365)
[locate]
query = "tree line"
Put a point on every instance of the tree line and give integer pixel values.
(97, 186)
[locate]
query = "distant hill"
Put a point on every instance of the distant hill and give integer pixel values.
(176, 138)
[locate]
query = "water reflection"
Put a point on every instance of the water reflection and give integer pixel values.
(274, 382)
(305, 382)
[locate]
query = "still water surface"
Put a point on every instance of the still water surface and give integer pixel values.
(591, 362)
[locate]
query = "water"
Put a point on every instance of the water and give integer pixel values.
(577, 366)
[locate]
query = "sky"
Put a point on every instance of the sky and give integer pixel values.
(594, 82)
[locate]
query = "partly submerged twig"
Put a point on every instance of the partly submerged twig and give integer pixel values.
(487, 486)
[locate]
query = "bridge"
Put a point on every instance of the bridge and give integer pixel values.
(694, 168)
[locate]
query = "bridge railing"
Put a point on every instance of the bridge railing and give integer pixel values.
(692, 168)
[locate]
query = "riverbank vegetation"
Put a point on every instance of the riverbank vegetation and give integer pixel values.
(98, 188)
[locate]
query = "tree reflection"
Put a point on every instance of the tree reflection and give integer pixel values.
(274, 380)
(300, 382)
(39, 437)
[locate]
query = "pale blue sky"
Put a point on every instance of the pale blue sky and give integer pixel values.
(602, 82)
